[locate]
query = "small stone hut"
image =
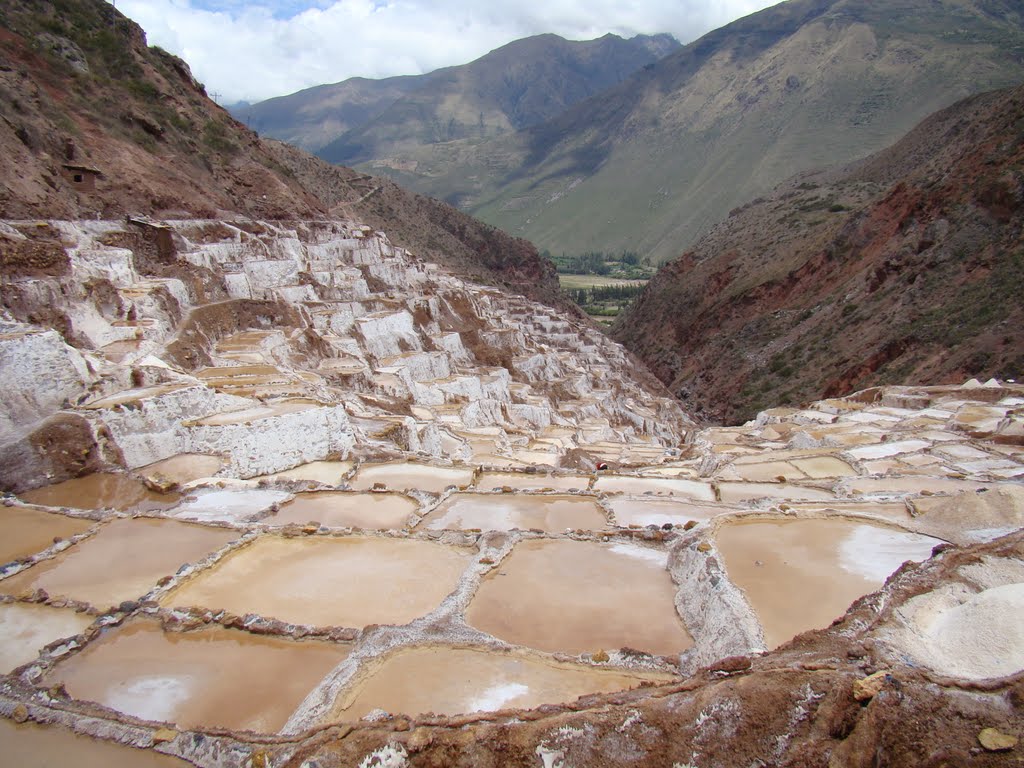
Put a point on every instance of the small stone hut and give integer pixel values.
(82, 177)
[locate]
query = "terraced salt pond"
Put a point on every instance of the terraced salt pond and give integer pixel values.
(233, 505)
(100, 491)
(28, 531)
(452, 681)
(26, 627)
(34, 746)
(106, 569)
(326, 472)
(802, 574)
(564, 595)
(208, 677)
(183, 468)
(644, 512)
(503, 512)
(662, 486)
(345, 509)
(345, 582)
(734, 493)
(531, 481)
(408, 475)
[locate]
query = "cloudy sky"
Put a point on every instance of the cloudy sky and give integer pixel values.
(255, 49)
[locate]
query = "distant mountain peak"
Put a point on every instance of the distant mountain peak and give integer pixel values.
(514, 86)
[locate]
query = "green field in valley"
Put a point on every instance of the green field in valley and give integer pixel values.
(569, 282)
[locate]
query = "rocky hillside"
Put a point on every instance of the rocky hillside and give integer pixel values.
(81, 94)
(907, 266)
(516, 86)
(653, 163)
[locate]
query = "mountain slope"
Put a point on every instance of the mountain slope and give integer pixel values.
(655, 161)
(316, 116)
(79, 87)
(512, 87)
(907, 266)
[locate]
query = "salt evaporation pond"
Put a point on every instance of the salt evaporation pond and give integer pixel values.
(229, 505)
(451, 681)
(644, 512)
(33, 746)
(183, 467)
(531, 481)
(404, 476)
(26, 627)
(209, 677)
(347, 582)
(28, 531)
(344, 509)
(503, 512)
(578, 596)
(123, 561)
(661, 486)
(101, 491)
(802, 574)
(326, 472)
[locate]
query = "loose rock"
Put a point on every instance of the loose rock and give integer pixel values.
(868, 687)
(994, 740)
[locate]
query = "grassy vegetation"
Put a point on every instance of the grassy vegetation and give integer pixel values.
(624, 266)
(602, 284)
(979, 305)
(575, 282)
(602, 299)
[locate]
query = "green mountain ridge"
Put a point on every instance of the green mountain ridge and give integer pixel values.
(653, 162)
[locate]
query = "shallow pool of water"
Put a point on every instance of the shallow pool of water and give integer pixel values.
(326, 472)
(912, 484)
(121, 562)
(658, 512)
(27, 627)
(346, 509)
(505, 511)
(183, 468)
(452, 681)
(411, 476)
(27, 531)
(732, 493)
(576, 596)
(661, 486)
(101, 491)
(35, 746)
(536, 481)
(348, 582)
(824, 467)
(802, 574)
(228, 505)
(209, 677)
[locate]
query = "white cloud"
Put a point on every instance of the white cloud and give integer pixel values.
(255, 50)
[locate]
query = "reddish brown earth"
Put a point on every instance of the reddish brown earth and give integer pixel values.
(905, 267)
(164, 149)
